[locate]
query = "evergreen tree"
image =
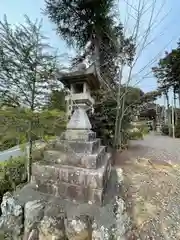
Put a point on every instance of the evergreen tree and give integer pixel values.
(91, 28)
(57, 100)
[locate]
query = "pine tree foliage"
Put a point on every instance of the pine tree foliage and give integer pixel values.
(91, 27)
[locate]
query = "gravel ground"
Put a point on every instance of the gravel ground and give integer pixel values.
(151, 187)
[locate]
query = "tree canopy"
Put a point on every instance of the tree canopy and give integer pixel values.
(57, 100)
(92, 29)
(167, 71)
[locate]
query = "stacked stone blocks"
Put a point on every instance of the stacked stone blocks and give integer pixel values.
(74, 169)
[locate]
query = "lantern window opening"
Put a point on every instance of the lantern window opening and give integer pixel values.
(78, 87)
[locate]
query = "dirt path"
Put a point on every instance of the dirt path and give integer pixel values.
(152, 187)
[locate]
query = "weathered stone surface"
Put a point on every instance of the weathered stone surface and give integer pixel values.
(95, 178)
(77, 228)
(77, 146)
(79, 120)
(119, 174)
(71, 191)
(86, 135)
(66, 157)
(100, 232)
(80, 184)
(122, 219)
(11, 219)
(48, 217)
(33, 214)
(93, 161)
(51, 228)
(72, 147)
(90, 161)
(55, 156)
(44, 171)
(32, 235)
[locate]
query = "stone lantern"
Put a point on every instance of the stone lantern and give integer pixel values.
(76, 166)
(80, 84)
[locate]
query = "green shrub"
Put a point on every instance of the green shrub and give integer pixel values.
(13, 171)
(165, 129)
(145, 130)
(135, 135)
(7, 143)
(177, 129)
(143, 127)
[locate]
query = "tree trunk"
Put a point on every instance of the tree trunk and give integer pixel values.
(168, 113)
(120, 132)
(175, 112)
(179, 96)
(165, 112)
(116, 135)
(96, 54)
(29, 152)
(172, 115)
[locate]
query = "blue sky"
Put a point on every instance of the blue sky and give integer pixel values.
(170, 28)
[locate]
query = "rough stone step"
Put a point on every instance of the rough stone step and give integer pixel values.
(72, 208)
(93, 161)
(93, 178)
(90, 161)
(62, 157)
(80, 135)
(71, 192)
(76, 146)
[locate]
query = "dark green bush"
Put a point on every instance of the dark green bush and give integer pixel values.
(103, 119)
(143, 128)
(135, 135)
(8, 143)
(13, 171)
(165, 129)
(177, 129)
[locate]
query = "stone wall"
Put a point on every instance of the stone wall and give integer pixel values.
(26, 217)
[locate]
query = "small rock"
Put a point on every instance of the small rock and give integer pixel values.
(11, 219)
(33, 235)
(76, 228)
(119, 206)
(51, 228)
(33, 213)
(100, 233)
(119, 173)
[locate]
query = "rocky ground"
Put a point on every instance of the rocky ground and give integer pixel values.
(151, 187)
(31, 215)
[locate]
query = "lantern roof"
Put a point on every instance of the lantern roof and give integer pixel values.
(88, 75)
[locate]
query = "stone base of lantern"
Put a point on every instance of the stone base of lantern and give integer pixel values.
(75, 166)
(79, 175)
